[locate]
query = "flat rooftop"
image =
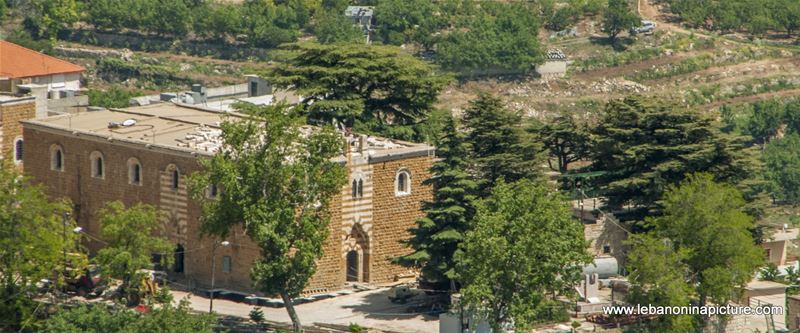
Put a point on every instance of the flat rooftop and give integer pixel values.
(191, 129)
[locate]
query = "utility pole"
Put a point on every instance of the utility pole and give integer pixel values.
(213, 269)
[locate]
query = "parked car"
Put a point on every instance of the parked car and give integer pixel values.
(646, 27)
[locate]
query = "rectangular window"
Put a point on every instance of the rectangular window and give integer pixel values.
(226, 264)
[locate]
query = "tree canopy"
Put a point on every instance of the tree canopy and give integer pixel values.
(276, 178)
(501, 149)
(782, 160)
(618, 17)
(707, 249)
(132, 236)
(566, 140)
(755, 16)
(497, 35)
(643, 146)
(508, 273)
(369, 87)
(33, 235)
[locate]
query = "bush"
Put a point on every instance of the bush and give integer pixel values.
(355, 328)
(256, 315)
(112, 98)
(99, 318)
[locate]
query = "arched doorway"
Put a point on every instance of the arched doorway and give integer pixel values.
(352, 266)
(357, 255)
(179, 254)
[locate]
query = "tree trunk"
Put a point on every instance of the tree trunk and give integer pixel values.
(287, 302)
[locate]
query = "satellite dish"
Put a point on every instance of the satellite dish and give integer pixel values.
(129, 122)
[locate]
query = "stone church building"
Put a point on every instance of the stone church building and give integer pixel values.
(143, 154)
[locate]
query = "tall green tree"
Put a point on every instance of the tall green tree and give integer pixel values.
(399, 22)
(333, 27)
(132, 236)
(33, 237)
(709, 234)
(277, 178)
(511, 274)
(436, 237)
(766, 117)
(501, 149)
(645, 145)
(369, 87)
(45, 18)
(618, 17)
(566, 140)
(497, 36)
(658, 277)
(782, 160)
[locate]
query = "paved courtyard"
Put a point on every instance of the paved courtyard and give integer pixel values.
(367, 308)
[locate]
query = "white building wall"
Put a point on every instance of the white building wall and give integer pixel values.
(57, 82)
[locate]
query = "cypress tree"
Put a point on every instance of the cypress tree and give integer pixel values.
(437, 235)
(501, 148)
(644, 146)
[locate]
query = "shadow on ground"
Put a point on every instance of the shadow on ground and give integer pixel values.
(378, 306)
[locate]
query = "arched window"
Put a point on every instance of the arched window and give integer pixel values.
(18, 150)
(175, 179)
(402, 183)
(56, 158)
(175, 176)
(355, 188)
(98, 164)
(134, 172)
(360, 188)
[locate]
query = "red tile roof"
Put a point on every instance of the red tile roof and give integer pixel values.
(19, 62)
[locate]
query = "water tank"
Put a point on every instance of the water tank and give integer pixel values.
(605, 267)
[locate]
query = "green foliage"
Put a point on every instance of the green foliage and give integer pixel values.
(99, 318)
(436, 237)
(565, 139)
(657, 273)
(501, 149)
(701, 247)
(400, 22)
(706, 219)
(756, 16)
(131, 241)
(684, 66)
(618, 18)
(792, 275)
(113, 69)
(764, 121)
(498, 35)
(369, 87)
(355, 328)
(256, 315)
(114, 97)
(770, 272)
(509, 273)
(218, 20)
(266, 23)
(276, 183)
(47, 17)
(33, 235)
(646, 145)
(23, 38)
(333, 27)
(782, 159)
